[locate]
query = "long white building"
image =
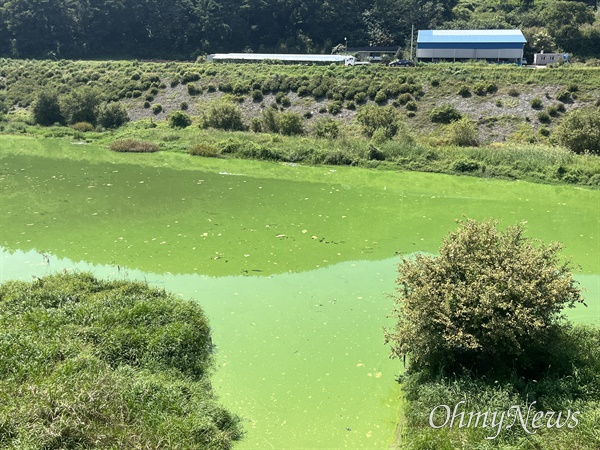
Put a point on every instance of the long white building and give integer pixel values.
(462, 45)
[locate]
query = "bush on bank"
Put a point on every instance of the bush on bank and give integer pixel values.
(97, 364)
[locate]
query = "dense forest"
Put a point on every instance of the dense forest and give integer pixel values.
(185, 29)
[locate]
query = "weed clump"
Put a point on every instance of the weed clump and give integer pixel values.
(133, 146)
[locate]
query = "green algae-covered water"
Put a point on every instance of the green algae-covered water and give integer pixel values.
(293, 265)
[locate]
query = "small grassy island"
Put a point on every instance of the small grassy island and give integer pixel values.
(95, 364)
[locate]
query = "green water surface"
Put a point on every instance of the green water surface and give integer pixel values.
(292, 264)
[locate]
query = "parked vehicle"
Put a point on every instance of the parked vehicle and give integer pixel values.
(402, 63)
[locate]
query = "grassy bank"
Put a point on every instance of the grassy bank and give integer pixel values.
(531, 162)
(570, 388)
(94, 364)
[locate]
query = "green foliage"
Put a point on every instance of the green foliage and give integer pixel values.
(489, 298)
(290, 123)
(83, 127)
(381, 96)
(444, 114)
(224, 116)
(483, 88)
(326, 128)
(204, 149)
(257, 95)
(544, 117)
(46, 109)
(536, 103)
(463, 132)
(108, 364)
(112, 115)
(81, 105)
(179, 119)
(334, 107)
(157, 108)
(134, 146)
(579, 131)
(564, 96)
(513, 92)
(372, 118)
(464, 91)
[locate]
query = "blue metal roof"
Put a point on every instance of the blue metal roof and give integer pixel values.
(470, 36)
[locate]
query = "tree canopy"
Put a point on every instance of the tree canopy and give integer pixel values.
(182, 29)
(490, 299)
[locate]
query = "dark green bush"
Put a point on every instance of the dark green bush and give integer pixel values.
(513, 92)
(257, 95)
(444, 114)
(360, 97)
(463, 132)
(326, 128)
(224, 116)
(381, 96)
(373, 117)
(157, 108)
(184, 106)
(290, 123)
(464, 91)
(81, 105)
(563, 95)
(334, 107)
(112, 115)
(579, 131)
(179, 119)
(46, 109)
(536, 103)
(544, 117)
(193, 89)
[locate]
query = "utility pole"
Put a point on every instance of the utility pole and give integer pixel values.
(412, 32)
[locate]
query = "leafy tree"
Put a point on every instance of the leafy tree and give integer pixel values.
(112, 115)
(46, 109)
(179, 119)
(373, 117)
(490, 298)
(81, 106)
(580, 130)
(224, 116)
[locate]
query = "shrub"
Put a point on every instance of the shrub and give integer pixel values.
(184, 106)
(381, 96)
(360, 97)
(146, 104)
(303, 91)
(458, 310)
(435, 82)
(179, 119)
(290, 123)
(536, 103)
(193, 89)
(224, 116)
(444, 114)
(326, 128)
(579, 131)
(351, 105)
(544, 117)
(112, 115)
(157, 108)
(256, 125)
(257, 95)
(563, 96)
(513, 92)
(545, 132)
(373, 117)
(403, 99)
(463, 132)
(483, 88)
(204, 149)
(83, 127)
(46, 109)
(334, 107)
(81, 105)
(411, 106)
(464, 91)
(132, 145)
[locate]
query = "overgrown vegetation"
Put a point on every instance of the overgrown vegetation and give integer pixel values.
(482, 327)
(106, 364)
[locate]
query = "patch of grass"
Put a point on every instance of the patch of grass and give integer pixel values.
(134, 146)
(99, 364)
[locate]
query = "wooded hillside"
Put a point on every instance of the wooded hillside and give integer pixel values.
(184, 29)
